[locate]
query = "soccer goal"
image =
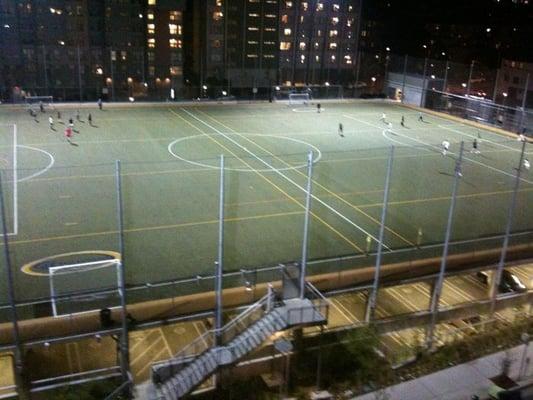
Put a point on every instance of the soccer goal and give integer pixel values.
(83, 287)
(299, 99)
(32, 101)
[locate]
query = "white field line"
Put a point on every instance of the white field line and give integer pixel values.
(36, 174)
(15, 182)
(438, 149)
(285, 177)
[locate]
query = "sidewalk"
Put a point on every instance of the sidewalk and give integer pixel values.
(459, 382)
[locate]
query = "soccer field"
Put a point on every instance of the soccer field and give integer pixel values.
(61, 198)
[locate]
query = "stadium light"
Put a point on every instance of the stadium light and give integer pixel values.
(224, 93)
(140, 16)
(278, 88)
(488, 30)
(327, 84)
(204, 87)
(504, 94)
(99, 71)
(424, 46)
(463, 84)
(373, 79)
(432, 76)
(131, 99)
(387, 48)
(130, 79)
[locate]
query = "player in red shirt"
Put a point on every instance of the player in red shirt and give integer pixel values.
(68, 133)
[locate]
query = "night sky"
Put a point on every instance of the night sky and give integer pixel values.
(459, 28)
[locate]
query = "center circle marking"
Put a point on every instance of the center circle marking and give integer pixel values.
(315, 149)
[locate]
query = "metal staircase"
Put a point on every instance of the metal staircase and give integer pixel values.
(178, 376)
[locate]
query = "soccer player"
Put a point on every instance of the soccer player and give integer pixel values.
(68, 133)
(445, 147)
(341, 130)
(527, 165)
(475, 149)
(318, 107)
(70, 123)
(420, 117)
(51, 122)
(41, 106)
(403, 121)
(77, 115)
(100, 104)
(90, 119)
(384, 118)
(58, 115)
(389, 127)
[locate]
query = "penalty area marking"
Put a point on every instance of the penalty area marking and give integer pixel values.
(315, 149)
(44, 170)
(308, 110)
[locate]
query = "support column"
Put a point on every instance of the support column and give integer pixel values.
(435, 299)
(498, 276)
(524, 98)
(124, 337)
(371, 305)
(20, 382)
(303, 266)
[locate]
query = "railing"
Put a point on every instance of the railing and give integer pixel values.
(206, 341)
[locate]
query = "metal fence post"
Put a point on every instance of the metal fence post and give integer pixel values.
(404, 76)
(303, 266)
(18, 353)
(124, 338)
(469, 78)
(371, 305)
(445, 83)
(79, 75)
(423, 94)
(437, 290)
(497, 278)
(524, 98)
(220, 261)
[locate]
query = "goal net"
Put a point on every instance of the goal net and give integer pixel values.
(299, 99)
(82, 287)
(35, 101)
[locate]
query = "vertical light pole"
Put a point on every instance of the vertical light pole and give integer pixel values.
(220, 258)
(524, 98)
(404, 77)
(124, 338)
(437, 290)
(423, 96)
(498, 276)
(303, 266)
(371, 305)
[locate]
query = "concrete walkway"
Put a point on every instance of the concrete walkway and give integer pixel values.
(459, 382)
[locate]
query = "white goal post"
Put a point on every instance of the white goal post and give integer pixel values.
(296, 99)
(82, 287)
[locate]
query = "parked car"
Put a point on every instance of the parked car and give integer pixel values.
(509, 282)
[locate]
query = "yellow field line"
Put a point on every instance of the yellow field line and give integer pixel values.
(314, 181)
(154, 228)
(146, 350)
(167, 345)
(276, 187)
(149, 364)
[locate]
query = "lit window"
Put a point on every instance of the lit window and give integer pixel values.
(302, 45)
(333, 58)
(336, 7)
(317, 58)
(348, 59)
(150, 16)
(287, 31)
(270, 15)
(217, 15)
(219, 3)
(253, 15)
(151, 43)
(305, 6)
(151, 29)
(302, 58)
(123, 55)
(253, 28)
(349, 22)
(251, 55)
(284, 45)
(175, 15)
(175, 71)
(270, 29)
(332, 46)
(174, 43)
(269, 42)
(317, 45)
(173, 29)
(334, 20)
(285, 18)
(350, 8)
(319, 33)
(268, 56)
(333, 33)
(288, 4)
(151, 2)
(253, 42)
(320, 6)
